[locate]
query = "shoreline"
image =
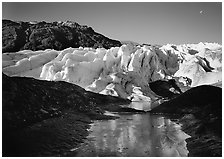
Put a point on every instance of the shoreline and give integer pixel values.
(51, 137)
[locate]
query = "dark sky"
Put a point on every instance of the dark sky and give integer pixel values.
(143, 22)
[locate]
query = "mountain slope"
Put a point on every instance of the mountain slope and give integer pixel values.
(28, 100)
(57, 35)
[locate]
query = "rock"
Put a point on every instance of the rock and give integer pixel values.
(166, 89)
(193, 101)
(42, 35)
(27, 100)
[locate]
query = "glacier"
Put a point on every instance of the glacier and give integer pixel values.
(124, 71)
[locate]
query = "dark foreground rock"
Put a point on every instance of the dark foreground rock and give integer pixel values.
(46, 118)
(200, 111)
(50, 137)
(57, 35)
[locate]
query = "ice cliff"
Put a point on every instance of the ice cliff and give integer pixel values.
(124, 71)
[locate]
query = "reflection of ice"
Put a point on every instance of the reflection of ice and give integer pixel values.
(120, 142)
(132, 137)
(170, 139)
(135, 135)
(113, 125)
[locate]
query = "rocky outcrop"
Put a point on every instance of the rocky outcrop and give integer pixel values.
(57, 35)
(195, 100)
(166, 89)
(26, 101)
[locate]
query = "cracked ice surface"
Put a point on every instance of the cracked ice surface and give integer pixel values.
(120, 71)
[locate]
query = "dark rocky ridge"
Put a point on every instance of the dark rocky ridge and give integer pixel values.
(48, 118)
(27, 100)
(200, 111)
(57, 35)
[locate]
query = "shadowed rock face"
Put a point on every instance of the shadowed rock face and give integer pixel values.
(200, 111)
(57, 35)
(163, 88)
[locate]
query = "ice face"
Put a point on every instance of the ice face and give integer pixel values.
(120, 71)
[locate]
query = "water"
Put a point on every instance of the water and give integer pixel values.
(135, 135)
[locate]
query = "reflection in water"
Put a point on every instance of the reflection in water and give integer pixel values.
(135, 135)
(168, 139)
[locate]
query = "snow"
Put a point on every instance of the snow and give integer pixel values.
(120, 71)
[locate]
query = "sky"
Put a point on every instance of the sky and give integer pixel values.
(142, 22)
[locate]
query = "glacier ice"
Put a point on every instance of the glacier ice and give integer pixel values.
(120, 71)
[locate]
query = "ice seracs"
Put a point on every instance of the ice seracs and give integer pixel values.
(120, 71)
